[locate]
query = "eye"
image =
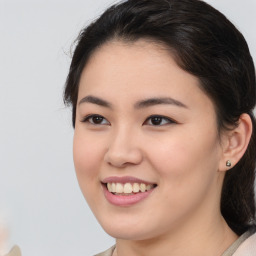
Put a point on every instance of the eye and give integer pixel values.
(157, 120)
(95, 120)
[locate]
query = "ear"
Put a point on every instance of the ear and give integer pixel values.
(235, 142)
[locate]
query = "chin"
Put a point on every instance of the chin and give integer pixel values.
(127, 235)
(127, 232)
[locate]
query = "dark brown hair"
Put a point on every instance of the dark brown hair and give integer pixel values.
(206, 44)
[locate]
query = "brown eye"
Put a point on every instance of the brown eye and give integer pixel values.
(96, 120)
(158, 120)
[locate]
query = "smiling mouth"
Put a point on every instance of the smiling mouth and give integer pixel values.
(126, 189)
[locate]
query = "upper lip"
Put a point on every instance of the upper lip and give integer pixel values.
(124, 179)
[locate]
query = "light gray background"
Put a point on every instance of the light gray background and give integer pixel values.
(39, 195)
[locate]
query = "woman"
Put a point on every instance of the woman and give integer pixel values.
(163, 93)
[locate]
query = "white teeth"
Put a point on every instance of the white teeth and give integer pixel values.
(119, 188)
(136, 187)
(128, 188)
(113, 187)
(148, 187)
(109, 185)
(142, 187)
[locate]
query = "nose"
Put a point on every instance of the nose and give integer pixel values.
(123, 150)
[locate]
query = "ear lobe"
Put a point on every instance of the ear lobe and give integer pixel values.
(237, 141)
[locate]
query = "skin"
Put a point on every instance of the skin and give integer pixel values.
(183, 155)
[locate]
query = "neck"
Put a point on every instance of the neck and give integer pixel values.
(211, 240)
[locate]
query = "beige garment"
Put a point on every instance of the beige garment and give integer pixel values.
(15, 251)
(233, 248)
(248, 247)
(108, 252)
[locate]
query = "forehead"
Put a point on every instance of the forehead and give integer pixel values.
(117, 51)
(139, 69)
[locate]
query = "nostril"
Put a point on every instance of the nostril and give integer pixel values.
(123, 157)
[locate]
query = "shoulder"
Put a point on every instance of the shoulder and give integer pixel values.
(248, 247)
(108, 252)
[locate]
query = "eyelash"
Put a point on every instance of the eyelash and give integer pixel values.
(157, 118)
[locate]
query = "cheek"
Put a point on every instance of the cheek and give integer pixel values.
(187, 169)
(87, 155)
(186, 158)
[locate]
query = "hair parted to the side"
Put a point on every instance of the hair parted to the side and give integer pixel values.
(204, 43)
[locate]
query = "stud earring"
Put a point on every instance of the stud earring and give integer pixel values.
(228, 163)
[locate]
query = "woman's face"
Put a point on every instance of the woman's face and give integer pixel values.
(146, 147)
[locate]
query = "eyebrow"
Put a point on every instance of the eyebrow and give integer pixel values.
(95, 100)
(159, 101)
(140, 104)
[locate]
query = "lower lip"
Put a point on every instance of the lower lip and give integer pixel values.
(120, 200)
